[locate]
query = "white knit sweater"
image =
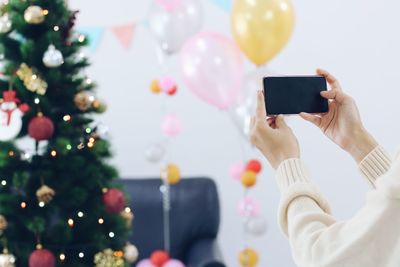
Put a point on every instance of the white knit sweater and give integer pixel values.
(370, 239)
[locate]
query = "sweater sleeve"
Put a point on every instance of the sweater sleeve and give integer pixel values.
(375, 164)
(318, 240)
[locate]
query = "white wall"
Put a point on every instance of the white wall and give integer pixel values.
(356, 40)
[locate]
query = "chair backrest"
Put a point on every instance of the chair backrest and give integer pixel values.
(195, 214)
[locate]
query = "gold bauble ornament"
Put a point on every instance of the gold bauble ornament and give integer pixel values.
(34, 15)
(131, 253)
(82, 101)
(45, 194)
(6, 259)
(248, 258)
(99, 106)
(128, 217)
(171, 174)
(108, 258)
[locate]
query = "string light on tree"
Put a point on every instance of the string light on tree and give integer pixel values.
(80, 214)
(23, 205)
(81, 255)
(70, 222)
(100, 221)
(111, 234)
(62, 257)
(3, 182)
(56, 28)
(67, 118)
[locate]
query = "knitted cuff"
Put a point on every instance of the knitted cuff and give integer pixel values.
(293, 181)
(375, 164)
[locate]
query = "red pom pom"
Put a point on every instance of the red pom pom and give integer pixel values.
(159, 257)
(254, 165)
(114, 200)
(24, 108)
(42, 258)
(172, 91)
(41, 128)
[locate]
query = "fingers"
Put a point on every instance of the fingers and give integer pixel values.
(334, 94)
(333, 82)
(280, 122)
(311, 118)
(261, 113)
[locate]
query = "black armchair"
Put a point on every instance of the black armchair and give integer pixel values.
(195, 220)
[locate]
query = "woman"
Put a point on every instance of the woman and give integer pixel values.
(372, 237)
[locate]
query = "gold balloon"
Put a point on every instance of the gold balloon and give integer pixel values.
(248, 258)
(262, 28)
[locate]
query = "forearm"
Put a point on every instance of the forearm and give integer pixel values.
(363, 143)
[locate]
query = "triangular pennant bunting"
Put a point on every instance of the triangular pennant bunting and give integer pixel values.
(94, 34)
(224, 4)
(124, 33)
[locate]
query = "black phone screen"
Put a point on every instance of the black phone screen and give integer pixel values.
(295, 94)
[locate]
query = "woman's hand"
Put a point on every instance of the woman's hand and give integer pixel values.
(272, 137)
(342, 124)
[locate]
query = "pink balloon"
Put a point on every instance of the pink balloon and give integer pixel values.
(169, 5)
(237, 170)
(174, 263)
(212, 68)
(171, 125)
(249, 207)
(145, 263)
(167, 84)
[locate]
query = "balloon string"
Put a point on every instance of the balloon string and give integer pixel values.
(166, 213)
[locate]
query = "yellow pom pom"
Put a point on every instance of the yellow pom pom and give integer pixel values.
(249, 178)
(172, 174)
(155, 87)
(248, 258)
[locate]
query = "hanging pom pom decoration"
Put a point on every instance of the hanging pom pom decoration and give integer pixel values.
(171, 125)
(174, 263)
(53, 58)
(155, 153)
(159, 258)
(249, 179)
(248, 258)
(254, 165)
(5, 23)
(6, 259)
(249, 207)
(41, 128)
(168, 85)
(236, 171)
(108, 258)
(42, 258)
(155, 87)
(256, 226)
(171, 174)
(114, 200)
(11, 115)
(34, 15)
(45, 194)
(145, 263)
(131, 253)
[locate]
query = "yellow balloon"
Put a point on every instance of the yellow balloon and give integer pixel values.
(262, 28)
(248, 258)
(172, 174)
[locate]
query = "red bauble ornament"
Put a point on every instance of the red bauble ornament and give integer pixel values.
(254, 165)
(41, 128)
(114, 200)
(172, 91)
(42, 258)
(159, 257)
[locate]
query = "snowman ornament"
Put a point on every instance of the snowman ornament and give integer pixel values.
(11, 115)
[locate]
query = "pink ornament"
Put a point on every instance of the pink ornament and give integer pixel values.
(249, 207)
(169, 5)
(167, 84)
(174, 263)
(237, 170)
(171, 125)
(145, 263)
(212, 68)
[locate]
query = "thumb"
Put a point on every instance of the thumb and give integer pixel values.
(280, 122)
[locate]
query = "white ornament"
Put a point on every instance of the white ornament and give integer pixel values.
(7, 260)
(53, 58)
(155, 152)
(131, 253)
(256, 226)
(10, 121)
(34, 15)
(5, 24)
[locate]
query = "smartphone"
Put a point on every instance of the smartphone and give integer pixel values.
(294, 94)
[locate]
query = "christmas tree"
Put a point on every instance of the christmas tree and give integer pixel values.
(58, 206)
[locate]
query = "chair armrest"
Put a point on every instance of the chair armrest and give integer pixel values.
(204, 253)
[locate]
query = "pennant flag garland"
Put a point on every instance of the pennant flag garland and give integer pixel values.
(224, 4)
(124, 33)
(94, 34)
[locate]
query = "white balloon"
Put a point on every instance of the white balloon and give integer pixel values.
(256, 226)
(155, 153)
(172, 22)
